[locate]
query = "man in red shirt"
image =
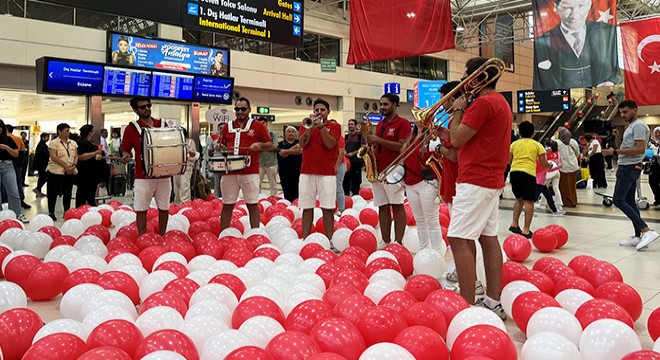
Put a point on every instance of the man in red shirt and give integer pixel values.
(390, 135)
(145, 189)
(243, 136)
(481, 132)
(318, 176)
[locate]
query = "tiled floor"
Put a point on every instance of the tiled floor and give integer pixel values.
(594, 230)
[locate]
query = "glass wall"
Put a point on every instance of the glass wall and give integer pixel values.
(422, 67)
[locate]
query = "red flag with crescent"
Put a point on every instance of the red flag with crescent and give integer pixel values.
(641, 60)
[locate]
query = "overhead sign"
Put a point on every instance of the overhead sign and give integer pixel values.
(392, 88)
(373, 118)
(427, 93)
(530, 101)
(410, 96)
(213, 89)
(278, 21)
(76, 77)
(269, 118)
(150, 53)
(328, 65)
(130, 82)
(172, 86)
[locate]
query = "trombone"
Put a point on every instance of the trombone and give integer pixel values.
(470, 86)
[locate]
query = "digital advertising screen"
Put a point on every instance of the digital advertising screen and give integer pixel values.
(276, 21)
(213, 89)
(128, 50)
(70, 76)
(172, 86)
(129, 82)
(530, 101)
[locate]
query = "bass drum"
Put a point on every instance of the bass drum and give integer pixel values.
(164, 152)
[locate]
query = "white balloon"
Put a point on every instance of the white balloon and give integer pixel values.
(219, 346)
(217, 292)
(163, 355)
(386, 351)
(91, 244)
(120, 216)
(289, 259)
(104, 313)
(572, 299)
(8, 237)
(11, 296)
(7, 215)
(340, 238)
(296, 299)
(511, 291)
(55, 254)
(261, 265)
(38, 244)
(122, 260)
(264, 290)
(154, 283)
(318, 213)
(222, 267)
(170, 256)
(108, 297)
(381, 254)
(261, 329)
(608, 339)
(255, 231)
(19, 239)
(68, 326)
(201, 262)
(311, 265)
(212, 308)
(378, 289)
(429, 262)
(293, 246)
(389, 275)
(73, 227)
(158, 318)
(411, 240)
(230, 231)
(296, 211)
(74, 299)
(285, 272)
(279, 218)
(201, 328)
(137, 272)
(549, 346)
(201, 277)
(280, 285)
(70, 258)
(89, 261)
(311, 278)
(656, 345)
(91, 218)
(470, 317)
(318, 238)
(555, 320)
(248, 276)
(40, 221)
(307, 287)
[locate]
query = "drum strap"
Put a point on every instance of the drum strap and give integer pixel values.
(237, 139)
(139, 128)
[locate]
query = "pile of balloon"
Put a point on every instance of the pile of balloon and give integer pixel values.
(199, 293)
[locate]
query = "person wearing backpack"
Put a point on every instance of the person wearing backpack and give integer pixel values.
(354, 141)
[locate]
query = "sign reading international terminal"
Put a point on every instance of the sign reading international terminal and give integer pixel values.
(277, 21)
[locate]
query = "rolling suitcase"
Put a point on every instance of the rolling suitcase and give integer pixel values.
(117, 185)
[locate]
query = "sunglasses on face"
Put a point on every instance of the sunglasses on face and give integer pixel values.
(240, 108)
(142, 107)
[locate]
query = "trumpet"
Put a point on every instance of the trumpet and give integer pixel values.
(470, 86)
(308, 122)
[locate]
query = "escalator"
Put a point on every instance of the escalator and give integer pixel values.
(579, 109)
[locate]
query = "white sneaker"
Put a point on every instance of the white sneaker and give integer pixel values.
(452, 276)
(558, 213)
(498, 310)
(22, 219)
(539, 206)
(631, 241)
(479, 289)
(647, 239)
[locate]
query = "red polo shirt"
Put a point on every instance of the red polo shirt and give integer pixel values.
(396, 130)
(256, 133)
(132, 140)
(317, 158)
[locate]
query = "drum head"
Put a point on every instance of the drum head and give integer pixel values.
(396, 175)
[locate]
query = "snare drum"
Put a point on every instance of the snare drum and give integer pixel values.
(164, 152)
(228, 163)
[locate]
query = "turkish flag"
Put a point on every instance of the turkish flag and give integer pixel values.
(390, 29)
(641, 60)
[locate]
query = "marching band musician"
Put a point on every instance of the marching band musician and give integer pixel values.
(390, 135)
(145, 189)
(243, 136)
(317, 175)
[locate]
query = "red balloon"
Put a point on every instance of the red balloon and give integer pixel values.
(622, 294)
(541, 281)
(203, 237)
(305, 315)
(420, 286)
(517, 247)
(326, 356)
(380, 264)
(164, 298)
(558, 272)
(544, 262)
(653, 324)
(17, 329)
(560, 233)
(425, 314)
(512, 271)
(353, 307)
(366, 193)
(597, 309)
(80, 276)
(101, 231)
(120, 334)
(356, 251)
(172, 340)
(337, 293)
(198, 227)
(350, 262)
(3, 254)
(642, 355)
(122, 282)
(267, 252)
(574, 282)
(364, 239)
(544, 240)
(483, 340)
(62, 240)
(448, 302)
(233, 282)
(328, 256)
(8, 224)
(149, 256)
(601, 272)
(248, 353)
(176, 268)
(19, 268)
(398, 300)
(327, 272)
(53, 231)
(369, 216)
(60, 346)
(45, 282)
(581, 263)
(256, 306)
(353, 278)
(292, 345)
(339, 336)
(423, 343)
(105, 353)
(403, 256)
(310, 250)
(380, 324)
(350, 221)
(184, 288)
(526, 304)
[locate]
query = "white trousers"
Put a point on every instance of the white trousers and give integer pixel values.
(182, 186)
(271, 172)
(421, 197)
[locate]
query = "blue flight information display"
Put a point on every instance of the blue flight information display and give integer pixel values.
(119, 81)
(72, 76)
(213, 89)
(172, 86)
